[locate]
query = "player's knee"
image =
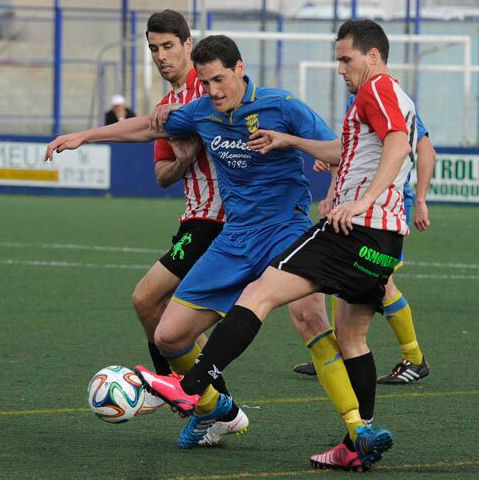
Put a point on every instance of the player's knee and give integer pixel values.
(140, 299)
(312, 320)
(146, 303)
(169, 340)
(351, 344)
(308, 316)
(391, 290)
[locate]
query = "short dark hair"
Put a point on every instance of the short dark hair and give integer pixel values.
(216, 47)
(366, 34)
(169, 21)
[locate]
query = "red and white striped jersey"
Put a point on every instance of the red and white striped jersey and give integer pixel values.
(381, 106)
(202, 194)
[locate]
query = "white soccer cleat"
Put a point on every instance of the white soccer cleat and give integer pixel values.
(218, 430)
(151, 404)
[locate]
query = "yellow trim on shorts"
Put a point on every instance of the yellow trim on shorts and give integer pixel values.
(196, 307)
(398, 266)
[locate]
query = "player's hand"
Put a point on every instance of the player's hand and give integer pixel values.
(263, 141)
(160, 114)
(324, 207)
(421, 216)
(340, 217)
(185, 149)
(61, 143)
(320, 166)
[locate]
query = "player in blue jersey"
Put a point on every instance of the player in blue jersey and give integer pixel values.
(266, 200)
(413, 366)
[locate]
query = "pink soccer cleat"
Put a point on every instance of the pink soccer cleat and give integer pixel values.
(338, 458)
(169, 389)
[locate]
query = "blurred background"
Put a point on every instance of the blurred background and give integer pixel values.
(61, 61)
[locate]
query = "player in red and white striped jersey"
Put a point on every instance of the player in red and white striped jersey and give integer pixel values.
(381, 107)
(203, 199)
(170, 44)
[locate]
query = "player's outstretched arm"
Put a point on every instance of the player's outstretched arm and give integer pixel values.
(264, 141)
(130, 130)
(395, 148)
(426, 158)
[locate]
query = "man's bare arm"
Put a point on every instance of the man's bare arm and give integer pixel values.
(426, 159)
(135, 129)
(266, 140)
(326, 204)
(395, 149)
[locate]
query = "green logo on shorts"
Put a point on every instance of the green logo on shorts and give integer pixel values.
(377, 258)
(178, 246)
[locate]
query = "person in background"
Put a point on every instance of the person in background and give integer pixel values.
(118, 111)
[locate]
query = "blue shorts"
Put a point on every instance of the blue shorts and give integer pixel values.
(234, 260)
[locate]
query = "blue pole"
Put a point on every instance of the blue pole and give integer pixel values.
(332, 82)
(133, 60)
(417, 19)
(195, 13)
(279, 52)
(124, 36)
(209, 20)
(354, 9)
(57, 70)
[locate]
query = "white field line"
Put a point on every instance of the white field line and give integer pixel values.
(438, 276)
(412, 263)
(74, 246)
(110, 248)
(44, 263)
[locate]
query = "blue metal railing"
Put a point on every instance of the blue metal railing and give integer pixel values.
(57, 70)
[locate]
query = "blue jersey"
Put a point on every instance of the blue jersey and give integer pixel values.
(421, 131)
(257, 190)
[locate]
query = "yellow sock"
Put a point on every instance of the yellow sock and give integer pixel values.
(208, 401)
(352, 420)
(334, 308)
(399, 316)
(183, 364)
(334, 379)
(184, 361)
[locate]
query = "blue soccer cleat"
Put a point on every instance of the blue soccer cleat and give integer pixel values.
(371, 443)
(198, 425)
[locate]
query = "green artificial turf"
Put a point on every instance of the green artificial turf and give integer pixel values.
(66, 283)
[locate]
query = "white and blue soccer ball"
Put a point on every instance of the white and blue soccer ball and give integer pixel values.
(116, 394)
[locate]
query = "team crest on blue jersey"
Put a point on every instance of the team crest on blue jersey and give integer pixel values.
(252, 122)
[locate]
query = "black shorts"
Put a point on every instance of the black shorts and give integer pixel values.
(188, 245)
(355, 267)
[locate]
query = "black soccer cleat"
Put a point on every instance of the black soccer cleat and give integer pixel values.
(405, 372)
(305, 369)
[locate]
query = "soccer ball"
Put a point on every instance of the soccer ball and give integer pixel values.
(115, 394)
